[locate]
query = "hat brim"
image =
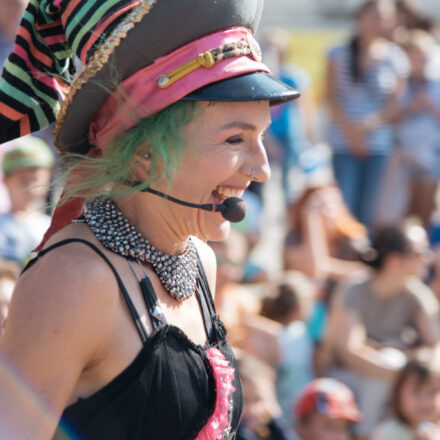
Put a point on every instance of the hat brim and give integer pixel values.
(256, 86)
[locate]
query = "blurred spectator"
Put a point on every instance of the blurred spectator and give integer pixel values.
(27, 170)
(290, 304)
(408, 18)
(10, 14)
(323, 242)
(261, 411)
(321, 234)
(9, 272)
(364, 78)
(238, 307)
(415, 405)
(326, 410)
(251, 228)
(232, 300)
(414, 169)
(292, 127)
(418, 132)
(376, 322)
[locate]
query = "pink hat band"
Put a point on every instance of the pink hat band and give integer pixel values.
(221, 55)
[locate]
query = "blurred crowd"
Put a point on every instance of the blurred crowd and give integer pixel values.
(344, 342)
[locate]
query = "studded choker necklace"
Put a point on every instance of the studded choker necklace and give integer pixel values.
(177, 273)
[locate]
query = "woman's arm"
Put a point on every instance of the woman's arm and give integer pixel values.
(352, 347)
(353, 132)
(54, 330)
(312, 255)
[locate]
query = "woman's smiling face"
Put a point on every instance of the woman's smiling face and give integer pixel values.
(222, 147)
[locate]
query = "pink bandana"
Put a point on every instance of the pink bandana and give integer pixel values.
(144, 94)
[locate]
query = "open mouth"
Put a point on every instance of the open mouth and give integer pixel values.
(221, 193)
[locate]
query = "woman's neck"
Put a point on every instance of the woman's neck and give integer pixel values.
(154, 224)
(386, 284)
(367, 41)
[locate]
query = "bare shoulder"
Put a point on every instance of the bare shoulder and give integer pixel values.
(68, 294)
(209, 262)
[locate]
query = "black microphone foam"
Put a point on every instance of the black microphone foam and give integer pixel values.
(233, 209)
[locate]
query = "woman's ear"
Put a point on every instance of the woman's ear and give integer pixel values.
(141, 166)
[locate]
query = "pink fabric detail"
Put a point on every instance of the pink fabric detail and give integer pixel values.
(49, 81)
(55, 39)
(218, 423)
(139, 96)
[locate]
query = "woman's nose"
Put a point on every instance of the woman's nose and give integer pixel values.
(261, 164)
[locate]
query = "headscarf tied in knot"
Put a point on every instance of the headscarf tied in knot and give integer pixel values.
(37, 74)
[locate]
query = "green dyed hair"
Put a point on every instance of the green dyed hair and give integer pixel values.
(159, 135)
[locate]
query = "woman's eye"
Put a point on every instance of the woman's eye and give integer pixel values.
(234, 140)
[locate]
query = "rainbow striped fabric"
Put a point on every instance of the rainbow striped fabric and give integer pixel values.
(39, 72)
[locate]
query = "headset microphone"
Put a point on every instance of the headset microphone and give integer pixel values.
(232, 209)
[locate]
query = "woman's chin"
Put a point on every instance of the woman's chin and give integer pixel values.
(215, 228)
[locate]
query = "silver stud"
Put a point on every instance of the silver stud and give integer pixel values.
(162, 80)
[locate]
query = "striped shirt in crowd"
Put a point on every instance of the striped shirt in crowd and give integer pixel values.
(367, 96)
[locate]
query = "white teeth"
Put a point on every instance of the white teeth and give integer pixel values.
(229, 192)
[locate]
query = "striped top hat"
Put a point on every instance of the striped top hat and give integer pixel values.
(141, 55)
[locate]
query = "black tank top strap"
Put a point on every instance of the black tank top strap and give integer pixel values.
(157, 316)
(204, 285)
(133, 312)
(212, 320)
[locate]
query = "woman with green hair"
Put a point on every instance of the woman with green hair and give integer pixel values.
(112, 328)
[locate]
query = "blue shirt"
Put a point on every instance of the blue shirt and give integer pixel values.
(18, 238)
(286, 125)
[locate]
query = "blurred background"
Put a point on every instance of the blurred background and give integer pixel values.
(330, 288)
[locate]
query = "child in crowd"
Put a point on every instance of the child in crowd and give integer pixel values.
(415, 405)
(261, 410)
(290, 304)
(27, 172)
(326, 410)
(9, 272)
(238, 306)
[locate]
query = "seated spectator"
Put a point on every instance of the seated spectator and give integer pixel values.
(261, 411)
(238, 306)
(376, 322)
(321, 235)
(26, 170)
(322, 242)
(415, 405)
(326, 410)
(290, 305)
(9, 272)
(232, 300)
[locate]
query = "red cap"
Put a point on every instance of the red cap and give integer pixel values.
(328, 397)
